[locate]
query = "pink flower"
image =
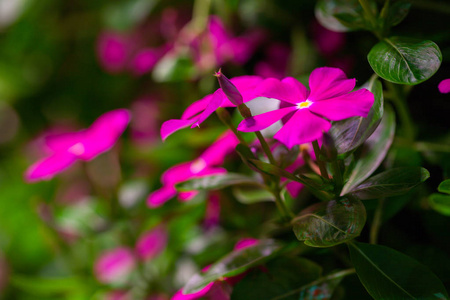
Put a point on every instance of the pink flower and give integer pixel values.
(306, 114)
(205, 165)
(113, 51)
(200, 110)
(212, 214)
(86, 144)
(151, 243)
(114, 265)
(147, 58)
(276, 61)
(328, 42)
(444, 86)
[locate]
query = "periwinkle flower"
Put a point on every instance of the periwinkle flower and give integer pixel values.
(307, 114)
(85, 145)
(444, 86)
(151, 243)
(114, 265)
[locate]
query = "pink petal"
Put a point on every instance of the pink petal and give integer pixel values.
(219, 35)
(104, 133)
(196, 107)
(186, 196)
(171, 126)
(264, 120)
(180, 296)
(161, 196)
(214, 104)
(444, 86)
(46, 168)
(145, 60)
(246, 85)
(328, 83)
(114, 265)
(151, 243)
(113, 50)
(294, 188)
(357, 103)
(289, 90)
(245, 243)
(63, 141)
(244, 46)
(302, 127)
(216, 153)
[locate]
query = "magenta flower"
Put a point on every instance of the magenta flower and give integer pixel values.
(113, 51)
(307, 114)
(205, 165)
(86, 144)
(151, 243)
(147, 58)
(444, 86)
(114, 265)
(200, 110)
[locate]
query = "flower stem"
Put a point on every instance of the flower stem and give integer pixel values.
(265, 147)
(337, 176)
(376, 224)
(320, 163)
(200, 14)
(371, 17)
(225, 117)
(398, 99)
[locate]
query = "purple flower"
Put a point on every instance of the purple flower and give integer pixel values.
(114, 265)
(200, 110)
(444, 86)
(307, 114)
(86, 144)
(151, 243)
(205, 165)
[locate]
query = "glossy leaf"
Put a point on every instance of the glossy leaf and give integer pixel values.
(444, 186)
(372, 153)
(350, 133)
(249, 195)
(389, 274)
(280, 279)
(215, 182)
(342, 15)
(330, 223)
(392, 182)
(233, 264)
(440, 203)
(323, 288)
(405, 60)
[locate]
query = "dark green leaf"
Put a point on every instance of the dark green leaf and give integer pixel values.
(440, 203)
(397, 12)
(272, 169)
(330, 223)
(444, 186)
(215, 182)
(342, 15)
(350, 133)
(392, 182)
(323, 288)
(233, 264)
(281, 280)
(405, 60)
(389, 274)
(249, 195)
(372, 153)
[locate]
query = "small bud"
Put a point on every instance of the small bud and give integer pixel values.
(229, 89)
(328, 147)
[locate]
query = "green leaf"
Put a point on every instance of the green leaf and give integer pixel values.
(280, 280)
(350, 133)
(440, 203)
(248, 195)
(392, 182)
(373, 152)
(444, 186)
(389, 274)
(330, 223)
(397, 13)
(272, 169)
(342, 15)
(323, 288)
(405, 60)
(215, 182)
(174, 68)
(47, 286)
(233, 264)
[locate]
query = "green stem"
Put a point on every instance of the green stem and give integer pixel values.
(200, 14)
(265, 148)
(320, 163)
(376, 224)
(337, 176)
(371, 17)
(225, 117)
(399, 102)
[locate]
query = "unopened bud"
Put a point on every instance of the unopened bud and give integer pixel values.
(229, 89)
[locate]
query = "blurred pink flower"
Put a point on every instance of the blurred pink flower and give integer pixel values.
(114, 265)
(275, 63)
(303, 112)
(144, 127)
(144, 61)
(86, 144)
(212, 214)
(206, 164)
(327, 42)
(113, 50)
(117, 295)
(151, 243)
(200, 110)
(444, 86)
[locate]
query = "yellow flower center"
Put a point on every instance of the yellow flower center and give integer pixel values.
(304, 104)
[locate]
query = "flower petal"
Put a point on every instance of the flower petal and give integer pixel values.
(289, 90)
(63, 141)
(161, 196)
(216, 101)
(46, 168)
(196, 107)
(151, 243)
(216, 153)
(264, 120)
(302, 127)
(171, 126)
(328, 83)
(444, 86)
(246, 85)
(180, 296)
(357, 103)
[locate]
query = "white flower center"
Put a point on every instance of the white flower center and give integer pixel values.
(198, 165)
(77, 149)
(304, 104)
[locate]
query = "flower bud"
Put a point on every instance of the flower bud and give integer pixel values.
(229, 89)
